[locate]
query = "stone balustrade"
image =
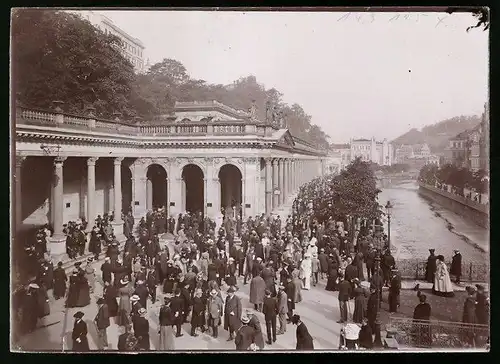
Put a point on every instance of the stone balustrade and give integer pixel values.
(26, 116)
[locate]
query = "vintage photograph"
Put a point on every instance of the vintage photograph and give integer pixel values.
(250, 180)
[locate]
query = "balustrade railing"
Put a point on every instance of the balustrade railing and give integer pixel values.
(57, 119)
(472, 271)
(438, 334)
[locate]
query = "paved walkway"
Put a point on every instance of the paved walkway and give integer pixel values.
(318, 309)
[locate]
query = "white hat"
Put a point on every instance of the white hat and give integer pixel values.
(259, 258)
(135, 298)
(33, 285)
(352, 331)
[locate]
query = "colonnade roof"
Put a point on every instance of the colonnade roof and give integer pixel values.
(36, 124)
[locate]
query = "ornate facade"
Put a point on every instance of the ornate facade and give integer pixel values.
(206, 157)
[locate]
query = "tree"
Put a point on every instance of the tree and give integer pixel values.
(59, 56)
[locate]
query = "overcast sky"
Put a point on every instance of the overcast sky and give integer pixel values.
(357, 74)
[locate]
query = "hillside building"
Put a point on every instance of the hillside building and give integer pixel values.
(133, 48)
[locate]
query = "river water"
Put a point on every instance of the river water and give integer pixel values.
(418, 225)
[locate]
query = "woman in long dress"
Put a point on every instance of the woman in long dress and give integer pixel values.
(442, 282)
(298, 286)
(333, 270)
(109, 295)
(124, 306)
(359, 303)
(306, 267)
(83, 290)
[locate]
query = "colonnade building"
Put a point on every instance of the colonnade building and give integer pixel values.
(205, 157)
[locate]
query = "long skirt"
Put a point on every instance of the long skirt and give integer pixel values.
(331, 283)
(167, 338)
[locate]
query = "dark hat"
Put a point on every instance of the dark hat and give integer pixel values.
(267, 292)
(100, 301)
(480, 287)
(77, 264)
(59, 264)
(90, 259)
(470, 289)
(432, 250)
(230, 290)
(295, 319)
(78, 315)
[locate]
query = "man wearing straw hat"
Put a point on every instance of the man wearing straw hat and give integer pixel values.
(244, 335)
(214, 311)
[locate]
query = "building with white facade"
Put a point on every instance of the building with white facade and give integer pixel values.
(370, 150)
(133, 48)
(339, 157)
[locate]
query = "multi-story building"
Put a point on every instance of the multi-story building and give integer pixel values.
(457, 151)
(132, 48)
(370, 150)
(404, 153)
(484, 141)
(421, 151)
(339, 156)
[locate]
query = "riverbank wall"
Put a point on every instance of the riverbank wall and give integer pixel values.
(474, 211)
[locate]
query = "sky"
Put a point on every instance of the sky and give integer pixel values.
(356, 74)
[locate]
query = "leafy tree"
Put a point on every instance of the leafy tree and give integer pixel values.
(59, 56)
(353, 192)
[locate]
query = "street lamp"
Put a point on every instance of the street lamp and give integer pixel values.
(377, 343)
(388, 208)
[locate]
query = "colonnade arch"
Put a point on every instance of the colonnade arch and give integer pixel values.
(193, 188)
(156, 187)
(231, 193)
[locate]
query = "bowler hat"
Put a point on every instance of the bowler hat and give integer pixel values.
(230, 290)
(78, 315)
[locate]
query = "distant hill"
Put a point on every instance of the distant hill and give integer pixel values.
(437, 135)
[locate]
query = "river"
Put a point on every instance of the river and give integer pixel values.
(418, 225)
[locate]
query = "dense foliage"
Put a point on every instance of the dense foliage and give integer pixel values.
(59, 56)
(351, 193)
(459, 178)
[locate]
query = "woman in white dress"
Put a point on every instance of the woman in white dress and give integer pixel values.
(306, 270)
(442, 282)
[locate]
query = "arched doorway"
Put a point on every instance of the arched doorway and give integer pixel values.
(156, 187)
(230, 188)
(126, 189)
(193, 189)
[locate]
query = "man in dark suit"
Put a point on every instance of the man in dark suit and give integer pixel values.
(151, 283)
(232, 313)
(290, 294)
(143, 293)
(177, 307)
(270, 310)
(102, 323)
(345, 290)
(106, 270)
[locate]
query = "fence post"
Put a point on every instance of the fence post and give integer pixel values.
(470, 272)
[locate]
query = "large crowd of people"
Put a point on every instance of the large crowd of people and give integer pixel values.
(278, 259)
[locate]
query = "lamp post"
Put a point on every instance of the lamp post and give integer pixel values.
(377, 343)
(388, 208)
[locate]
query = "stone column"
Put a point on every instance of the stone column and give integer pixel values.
(269, 186)
(149, 194)
(183, 194)
(275, 184)
(167, 202)
(18, 196)
(117, 189)
(281, 181)
(286, 178)
(205, 196)
(91, 191)
(294, 175)
(56, 245)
